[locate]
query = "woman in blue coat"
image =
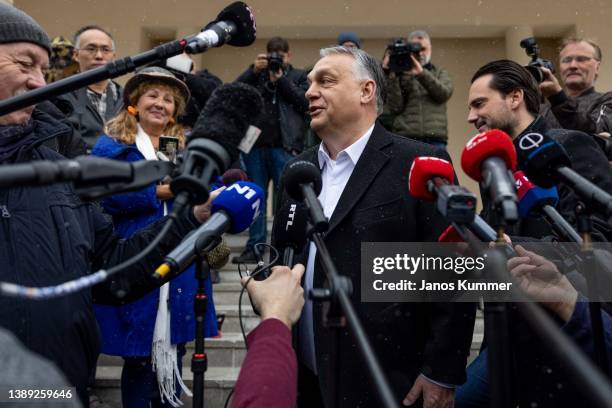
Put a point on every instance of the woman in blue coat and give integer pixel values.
(150, 338)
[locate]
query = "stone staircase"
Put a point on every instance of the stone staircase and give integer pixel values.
(226, 353)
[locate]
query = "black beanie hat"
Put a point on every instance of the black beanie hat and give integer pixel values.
(16, 26)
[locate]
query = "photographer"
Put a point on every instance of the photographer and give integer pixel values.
(416, 97)
(576, 105)
(282, 123)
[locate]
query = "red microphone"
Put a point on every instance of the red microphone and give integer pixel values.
(233, 175)
(489, 158)
(430, 179)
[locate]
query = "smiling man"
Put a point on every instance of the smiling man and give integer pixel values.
(90, 107)
(364, 170)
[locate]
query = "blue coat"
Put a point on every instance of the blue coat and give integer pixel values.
(128, 330)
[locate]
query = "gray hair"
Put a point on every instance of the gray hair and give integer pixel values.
(365, 67)
(419, 33)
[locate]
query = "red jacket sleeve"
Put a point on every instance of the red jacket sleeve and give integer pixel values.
(268, 377)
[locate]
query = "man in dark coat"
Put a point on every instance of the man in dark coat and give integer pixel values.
(49, 236)
(422, 347)
(282, 123)
(504, 96)
(90, 107)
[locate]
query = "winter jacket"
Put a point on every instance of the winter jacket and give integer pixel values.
(84, 116)
(48, 236)
(416, 106)
(290, 92)
(566, 112)
(128, 330)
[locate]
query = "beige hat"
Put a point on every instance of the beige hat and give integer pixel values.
(156, 73)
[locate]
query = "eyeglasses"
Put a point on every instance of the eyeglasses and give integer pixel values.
(93, 50)
(580, 59)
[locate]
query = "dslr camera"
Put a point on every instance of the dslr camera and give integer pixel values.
(275, 62)
(533, 51)
(399, 54)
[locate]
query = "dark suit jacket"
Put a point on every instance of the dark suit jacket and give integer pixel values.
(408, 338)
(84, 116)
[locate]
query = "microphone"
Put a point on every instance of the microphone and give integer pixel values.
(430, 179)
(547, 163)
(233, 211)
(212, 146)
(235, 25)
(535, 200)
(487, 158)
(228, 178)
(218, 256)
(303, 183)
(290, 228)
(92, 177)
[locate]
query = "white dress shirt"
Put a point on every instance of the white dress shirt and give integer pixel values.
(334, 174)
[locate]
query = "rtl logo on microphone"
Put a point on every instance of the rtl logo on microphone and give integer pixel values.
(476, 140)
(248, 193)
(291, 216)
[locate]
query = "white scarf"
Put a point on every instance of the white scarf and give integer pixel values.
(163, 354)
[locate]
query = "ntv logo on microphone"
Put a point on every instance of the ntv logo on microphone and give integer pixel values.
(248, 193)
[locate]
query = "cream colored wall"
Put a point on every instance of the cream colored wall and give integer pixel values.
(466, 34)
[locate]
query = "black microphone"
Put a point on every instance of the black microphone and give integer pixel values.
(212, 146)
(546, 163)
(235, 25)
(290, 229)
(303, 183)
(92, 177)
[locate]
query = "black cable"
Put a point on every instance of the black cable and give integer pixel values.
(262, 268)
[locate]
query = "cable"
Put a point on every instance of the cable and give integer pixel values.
(48, 292)
(260, 268)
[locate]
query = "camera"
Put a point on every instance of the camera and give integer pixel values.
(399, 55)
(275, 62)
(533, 51)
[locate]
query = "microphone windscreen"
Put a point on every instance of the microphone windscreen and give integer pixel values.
(241, 15)
(531, 197)
(301, 172)
(242, 201)
(218, 256)
(424, 169)
(539, 157)
(290, 224)
(233, 175)
(227, 115)
(492, 143)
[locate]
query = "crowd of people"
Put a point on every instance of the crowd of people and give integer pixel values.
(362, 122)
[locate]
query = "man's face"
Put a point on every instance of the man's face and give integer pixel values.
(334, 95)
(21, 69)
(578, 66)
(95, 49)
(488, 108)
(425, 54)
(349, 44)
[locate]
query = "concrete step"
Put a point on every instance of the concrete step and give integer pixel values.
(218, 381)
(225, 351)
(232, 324)
(228, 293)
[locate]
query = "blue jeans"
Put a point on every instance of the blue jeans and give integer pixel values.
(475, 393)
(139, 387)
(263, 164)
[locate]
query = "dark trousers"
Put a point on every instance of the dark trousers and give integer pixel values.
(309, 391)
(139, 387)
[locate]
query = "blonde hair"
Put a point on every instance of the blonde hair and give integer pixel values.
(123, 127)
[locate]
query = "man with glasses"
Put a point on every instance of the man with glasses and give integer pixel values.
(570, 105)
(90, 107)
